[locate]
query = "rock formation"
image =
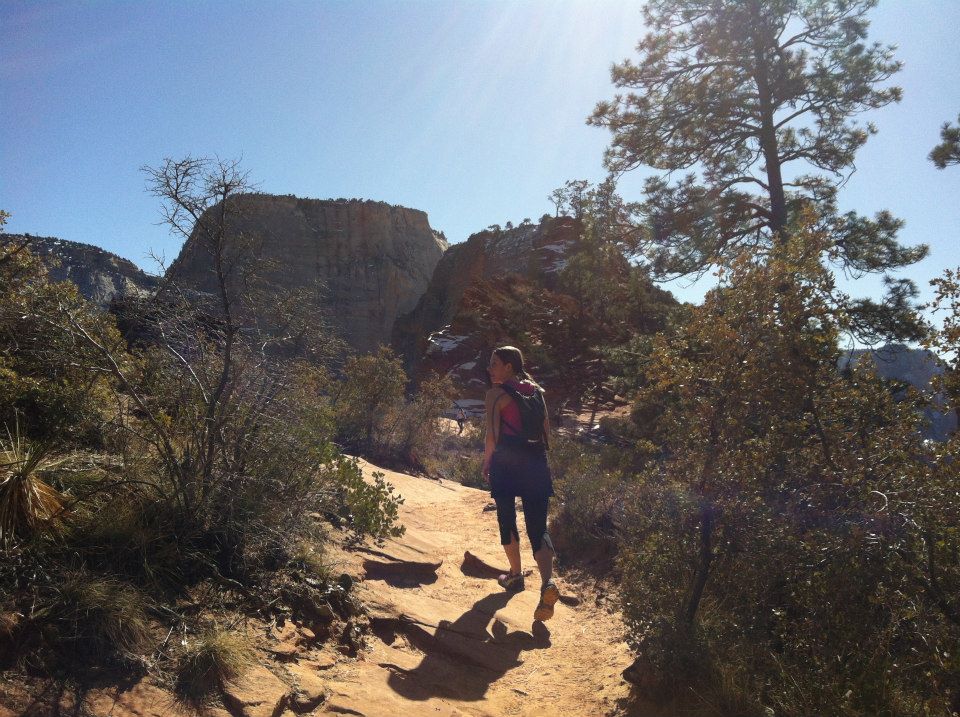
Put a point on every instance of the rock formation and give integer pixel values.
(508, 286)
(373, 260)
(98, 274)
(916, 367)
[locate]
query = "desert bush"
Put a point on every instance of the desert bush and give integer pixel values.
(372, 387)
(411, 428)
(793, 540)
(589, 482)
(456, 456)
(370, 509)
(44, 382)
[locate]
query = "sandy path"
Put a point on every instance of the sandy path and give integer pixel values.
(448, 641)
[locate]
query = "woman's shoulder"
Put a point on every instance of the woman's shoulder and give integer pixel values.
(494, 392)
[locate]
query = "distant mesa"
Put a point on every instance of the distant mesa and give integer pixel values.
(373, 260)
(99, 275)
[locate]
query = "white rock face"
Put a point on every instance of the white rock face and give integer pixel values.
(373, 259)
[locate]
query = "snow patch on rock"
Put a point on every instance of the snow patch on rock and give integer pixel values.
(443, 341)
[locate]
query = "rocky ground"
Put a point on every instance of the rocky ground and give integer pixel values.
(442, 639)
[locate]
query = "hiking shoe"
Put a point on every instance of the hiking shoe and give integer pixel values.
(549, 594)
(512, 583)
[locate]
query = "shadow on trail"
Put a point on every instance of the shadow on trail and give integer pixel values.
(462, 659)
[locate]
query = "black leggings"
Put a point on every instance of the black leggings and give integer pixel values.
(534, 515)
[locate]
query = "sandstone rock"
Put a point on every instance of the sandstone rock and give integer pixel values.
(917, 367)
(455, 323)
(374, 260)
(258, 693)
(320, 662)
(98, 274)
(528, 250)
(508, 287)
(141, 700)
(309, 690)
(287, 641)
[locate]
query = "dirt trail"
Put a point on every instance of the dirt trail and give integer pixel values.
(447, 640)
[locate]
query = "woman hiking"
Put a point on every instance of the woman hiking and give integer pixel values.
(515, 465)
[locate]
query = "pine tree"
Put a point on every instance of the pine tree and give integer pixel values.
(757, 100)
(948, 151)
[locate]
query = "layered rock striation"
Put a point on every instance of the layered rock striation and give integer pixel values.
(99, 275)
(372, 260)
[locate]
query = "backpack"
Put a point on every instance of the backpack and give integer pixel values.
(533, 411)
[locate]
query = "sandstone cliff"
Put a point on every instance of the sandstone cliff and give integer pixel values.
(98, 274)
(374, 260)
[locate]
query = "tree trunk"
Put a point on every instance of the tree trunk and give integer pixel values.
(768, 132)
(703, 564)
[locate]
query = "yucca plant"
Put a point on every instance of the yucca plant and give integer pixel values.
(27, 503)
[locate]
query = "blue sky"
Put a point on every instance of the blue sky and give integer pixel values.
(470, 111)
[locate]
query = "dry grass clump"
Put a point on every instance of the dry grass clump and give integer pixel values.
(214, 657)
(95, 620)
(308, 556)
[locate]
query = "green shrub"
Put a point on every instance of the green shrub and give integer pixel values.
(369, 509)
(410, 429)
(371, 388)
(589, 483)
(458, 457)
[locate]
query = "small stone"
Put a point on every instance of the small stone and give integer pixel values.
(324, 612)
(258, 693)
(345, 581)
(310, 690)
(284, 651)
(320, 662)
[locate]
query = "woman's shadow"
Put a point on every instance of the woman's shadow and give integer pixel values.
(462, 659)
